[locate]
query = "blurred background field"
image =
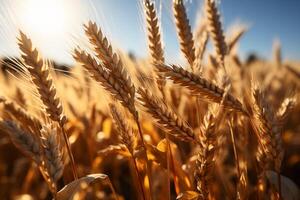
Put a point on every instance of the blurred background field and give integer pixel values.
(268, 53)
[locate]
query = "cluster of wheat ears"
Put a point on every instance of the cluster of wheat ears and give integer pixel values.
(208, 130)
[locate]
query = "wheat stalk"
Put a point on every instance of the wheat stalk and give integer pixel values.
(215, 30)
(200, 86)
(184, 31)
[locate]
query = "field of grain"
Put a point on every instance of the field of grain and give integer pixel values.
(118, 127)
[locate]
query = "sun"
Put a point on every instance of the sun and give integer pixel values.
(47, 17)
(49, 23)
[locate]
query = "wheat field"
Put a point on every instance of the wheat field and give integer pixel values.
(118, 127)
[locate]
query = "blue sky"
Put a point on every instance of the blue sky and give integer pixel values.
(123, 22)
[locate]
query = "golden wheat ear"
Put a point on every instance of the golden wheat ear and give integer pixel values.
(126, 133)
(26, 142)
(27, 120)
(184, 31)
(215, 30)
(154, 39)
(106, 78)
(200, 52)
(111, 60)
(200, 86)
(166, 117)
(239, 31)
(53, 165)
(40, 76)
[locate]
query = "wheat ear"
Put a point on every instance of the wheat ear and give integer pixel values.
(277, 57)
(27, 120)
(126, 133)
(53, 157)
(107, 79)
(215, 30)
(184, 31)
(154, 38)
(200, 86)
(116, 71)
(235, 38)
(166, 117)
(26, 142)
(20, 98)
(105, 53)
(206, 157)
(285, 109)
(267, 129)
(127, 138)
(200, 51)
(40, 75)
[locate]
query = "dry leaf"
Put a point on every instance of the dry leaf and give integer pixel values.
(67, 192)
(188, 195)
